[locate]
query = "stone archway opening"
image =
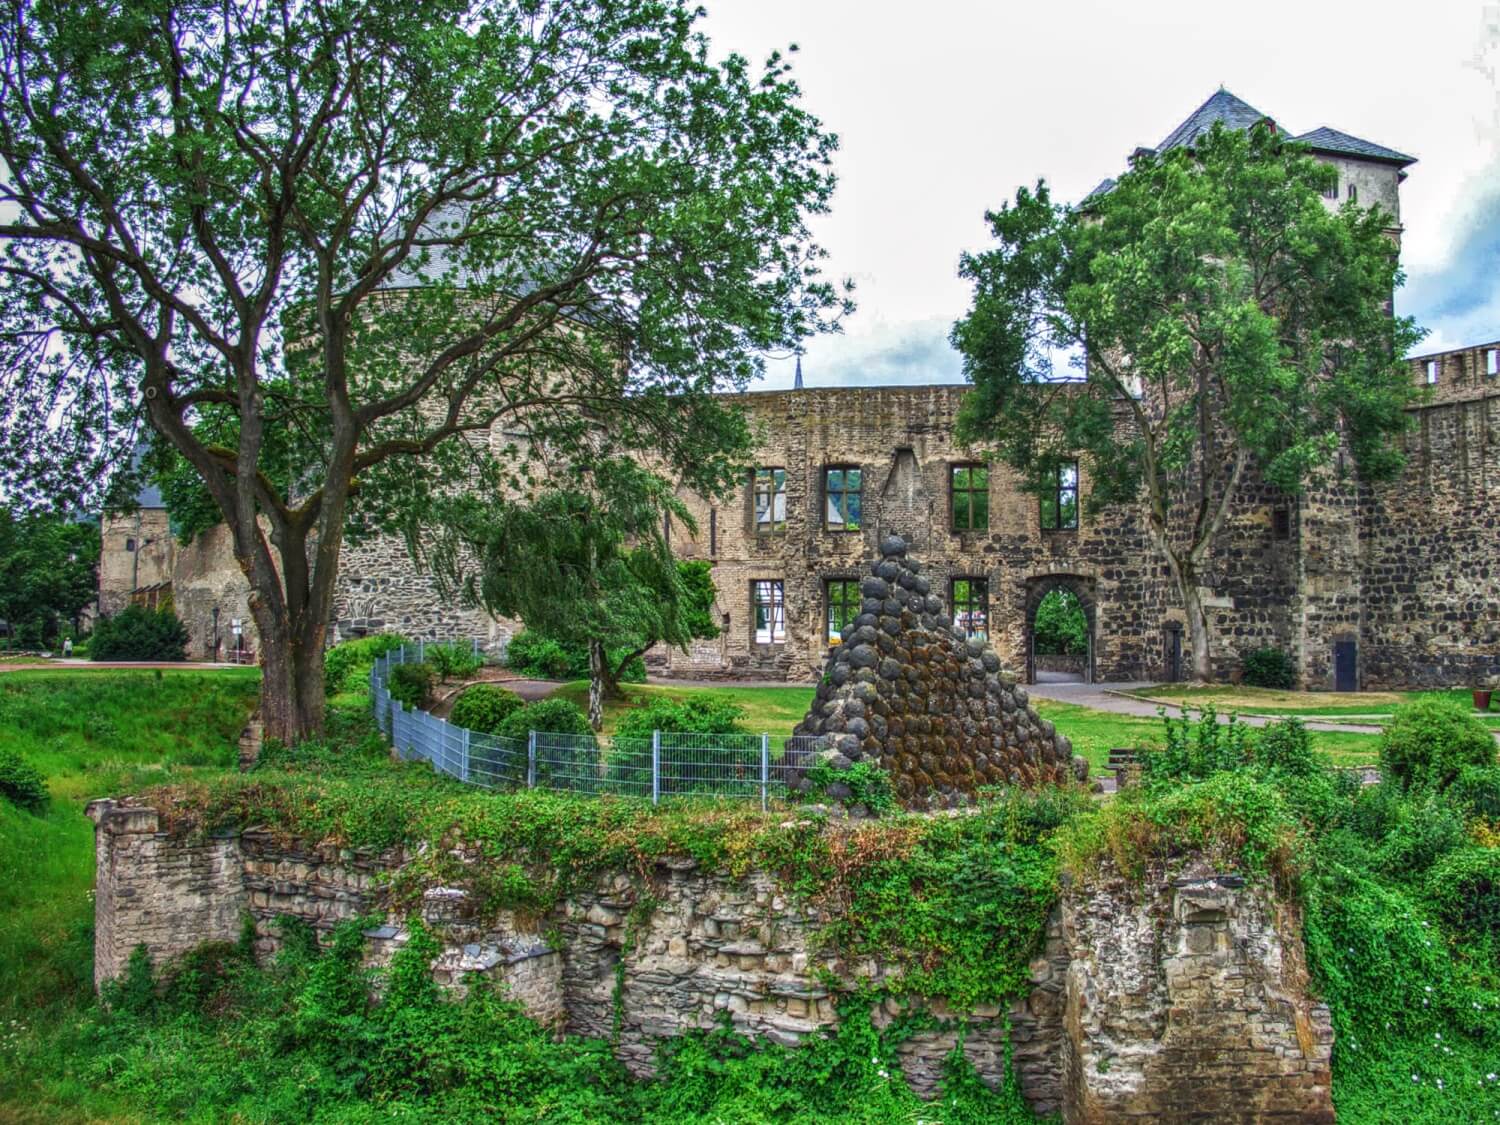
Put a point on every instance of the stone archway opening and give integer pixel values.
(1060, 629)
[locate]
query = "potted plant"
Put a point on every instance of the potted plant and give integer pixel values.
(1482, 694)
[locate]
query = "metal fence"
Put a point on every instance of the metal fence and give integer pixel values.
(745, 767)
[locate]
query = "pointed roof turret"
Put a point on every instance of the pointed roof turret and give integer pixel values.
(1233, 112)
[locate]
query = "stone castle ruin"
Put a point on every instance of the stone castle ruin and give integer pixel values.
(912, 694)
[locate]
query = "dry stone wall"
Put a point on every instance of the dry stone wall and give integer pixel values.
(1166, 999)
(907, 692)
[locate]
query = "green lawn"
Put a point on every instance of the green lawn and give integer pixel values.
(1271, 701)
(93, 734)
(768, 710)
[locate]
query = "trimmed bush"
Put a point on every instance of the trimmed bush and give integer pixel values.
(343, 659)
(21, 782)
(410, 684)
(697, 714)
(453, 661)
(553, 716)
(138, 633)
(534, 655)
(1429, 741)
(484, 708)
(1268, 668)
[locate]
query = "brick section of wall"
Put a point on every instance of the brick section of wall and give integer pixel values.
(1168, 1000)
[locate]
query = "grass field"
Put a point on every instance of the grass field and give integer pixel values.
(93, 734)
(1270, 701)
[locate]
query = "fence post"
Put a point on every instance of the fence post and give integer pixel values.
(421, 651)
(655, 766)
(765, 769)
(463, 764)
(531, 761)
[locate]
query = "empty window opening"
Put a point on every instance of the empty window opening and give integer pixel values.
(1281, 523)
(971, 606)
(843, 606)
(841, 498)
(970, 497)
(769, 491)
(1060, 498)
(1432, 372)
(768, 600)
(1353, 194)
(1492, 361)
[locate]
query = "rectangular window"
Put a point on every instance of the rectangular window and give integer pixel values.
(713, 533)
(969, 491)
(769, 604)
(843, 606)
(1432, 372)
(1281, 523)
(1353, 194)
(770, 501)
(841, 488)
(1332, 190)
(1060, 499)
(971, 606)
(1492, 361)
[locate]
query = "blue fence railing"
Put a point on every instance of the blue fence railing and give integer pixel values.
(745, 767)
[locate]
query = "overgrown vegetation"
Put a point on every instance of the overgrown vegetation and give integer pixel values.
(532, 654)
(346, 666)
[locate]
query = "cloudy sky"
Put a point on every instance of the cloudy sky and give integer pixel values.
(945, 108)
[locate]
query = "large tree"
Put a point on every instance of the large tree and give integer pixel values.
(588, 565)
(49, 571)
(440, 245)
(1221, 321)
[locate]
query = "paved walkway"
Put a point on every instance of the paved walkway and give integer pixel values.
(1115, 698)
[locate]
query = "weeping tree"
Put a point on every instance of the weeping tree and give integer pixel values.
(339, 258)
(1222, 322)
(588, 565)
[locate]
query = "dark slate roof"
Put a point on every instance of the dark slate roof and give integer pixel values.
(1324, 139)
(1223, 106)
(1105, 187)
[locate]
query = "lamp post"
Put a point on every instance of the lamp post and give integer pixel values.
(216, 634)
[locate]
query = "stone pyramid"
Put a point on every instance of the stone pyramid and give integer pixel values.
(906, 691)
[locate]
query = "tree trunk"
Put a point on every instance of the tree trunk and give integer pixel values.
(597, 664)
(1197, 621)
(292, 698)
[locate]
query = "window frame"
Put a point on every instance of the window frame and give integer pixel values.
(1491, 362)
(982, 602)
(850, 601)
(776, 527)
(845, 493)
(775, 604)
(1332, 190)
(1059, 490)
(969, 491)
(1434, 369)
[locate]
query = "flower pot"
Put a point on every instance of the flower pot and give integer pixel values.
(1481, 699)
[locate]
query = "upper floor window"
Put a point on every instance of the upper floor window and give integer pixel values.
(1353, 194)
(1060, 498)
(969, 492)
(1492, 361)
(768, 602)
(843, 606)
(971, 606)
(1433, 366)
(1332, 190)
(770, 500)
(1281, 523)
(130, 544)
(841, 495)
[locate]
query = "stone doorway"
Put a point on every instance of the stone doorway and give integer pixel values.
(1048, 667)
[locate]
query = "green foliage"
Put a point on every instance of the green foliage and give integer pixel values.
(1268, 668)
(717, 768)
(553, 716)
(138, 633)
(1061, 625)
(1464, 889)
(48, 572)
(484, 707)
(532, 654)
(1429, 741)
(696, 714)
(346, 666)
(1476, 790)
(866, 784)
(453, 660)
(1196, 750)
(410, 684)
(21, 782)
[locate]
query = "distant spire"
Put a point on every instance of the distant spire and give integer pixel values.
(797, 382)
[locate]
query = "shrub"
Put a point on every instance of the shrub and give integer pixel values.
(410, 684)
(532, 654)
(343, 659)
(21, 782)
(484, 708)
(696, 714)
(138, 633)
(552, 716)
(1465, 888)
(867, 784)
(1476, 790)
(1268, 668)
(1197, 749)
(1285, 746)
(734, 767)
(1429, 741)
(454, 661)
(1421, 828)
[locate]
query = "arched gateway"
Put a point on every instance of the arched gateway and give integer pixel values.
(1080, 586)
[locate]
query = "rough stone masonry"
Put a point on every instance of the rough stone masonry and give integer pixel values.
(909, 693)
(1179, 996)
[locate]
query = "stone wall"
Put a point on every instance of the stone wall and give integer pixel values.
(1165, 1000)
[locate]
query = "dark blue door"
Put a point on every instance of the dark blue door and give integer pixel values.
(1344, 675)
